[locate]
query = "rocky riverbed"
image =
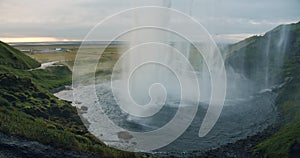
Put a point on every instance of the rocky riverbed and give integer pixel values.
(239, 149)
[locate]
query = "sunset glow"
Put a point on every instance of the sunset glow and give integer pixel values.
(31, 39)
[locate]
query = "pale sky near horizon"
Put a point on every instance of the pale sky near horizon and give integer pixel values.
(56, 20)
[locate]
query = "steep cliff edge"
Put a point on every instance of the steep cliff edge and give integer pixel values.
(273, 61)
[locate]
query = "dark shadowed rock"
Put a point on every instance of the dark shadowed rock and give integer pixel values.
(14, 147)
(295, 151)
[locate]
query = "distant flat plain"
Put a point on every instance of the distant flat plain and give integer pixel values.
(66, 54)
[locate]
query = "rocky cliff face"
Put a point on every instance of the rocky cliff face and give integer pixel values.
(261, 59)
(272, 61)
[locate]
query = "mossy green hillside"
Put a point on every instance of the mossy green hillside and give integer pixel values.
(33, 113)
(261, 56)
(13, 58)
(282, 143)
(249, 58)
(29, 110)
(50, 78)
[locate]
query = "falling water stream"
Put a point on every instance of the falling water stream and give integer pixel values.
(242, 115)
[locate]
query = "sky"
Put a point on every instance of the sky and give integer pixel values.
(71, 20)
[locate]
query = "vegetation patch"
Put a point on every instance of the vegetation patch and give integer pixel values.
(29, 110)
(285, 142)
(13, 58)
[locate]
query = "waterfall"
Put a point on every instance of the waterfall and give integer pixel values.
(274, 55)
(267, 62)
(260, 63)
(154, 83)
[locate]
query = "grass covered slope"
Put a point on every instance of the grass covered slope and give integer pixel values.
(29, 110)
(261, 58)
(16, 62)
(286, 142)
(13, 58)
(49, 79)
(249, 57)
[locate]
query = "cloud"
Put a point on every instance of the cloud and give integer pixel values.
(32, 39)
(231, 38)
(71, 19)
